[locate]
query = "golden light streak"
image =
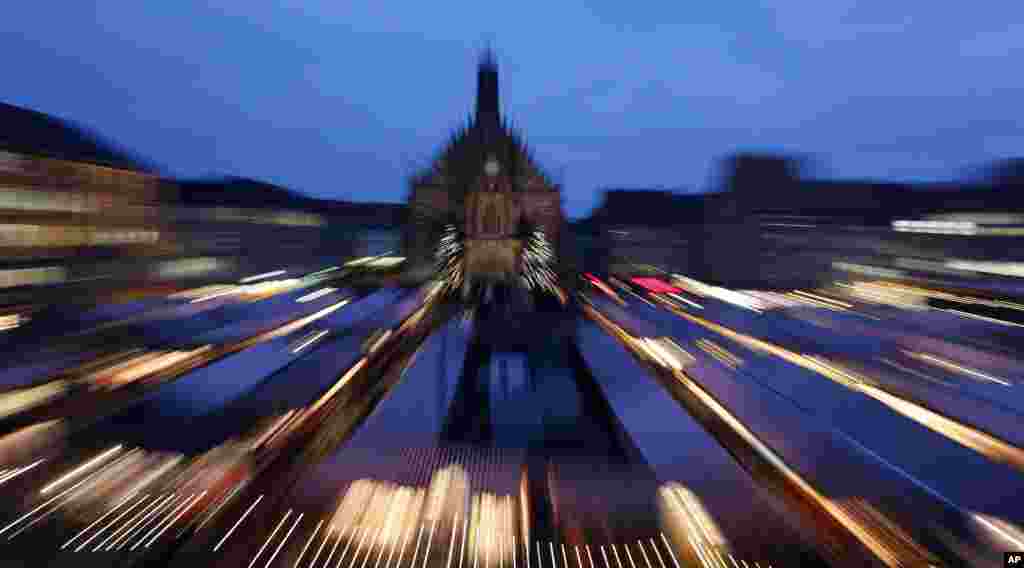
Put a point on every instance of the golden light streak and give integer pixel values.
(824, 299)
(967, 436)
(235, 526)
(669, 548)
(1015, 541)
(81, 469)
(170, 524)
(161, 522)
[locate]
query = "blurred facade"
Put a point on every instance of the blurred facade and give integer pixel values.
(72, 204)
(769, 225)
(256, 225)
(77, 210)
(486, 183)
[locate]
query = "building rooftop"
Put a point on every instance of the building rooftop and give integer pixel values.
(33, 133)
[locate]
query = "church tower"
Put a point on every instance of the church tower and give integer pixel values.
(488, 108)
(485, 182)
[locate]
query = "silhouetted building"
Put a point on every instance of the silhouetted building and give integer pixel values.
(640, 231)
(69, 198)
(810, 230)
(485, 182)
(772, 226)
(249, 219)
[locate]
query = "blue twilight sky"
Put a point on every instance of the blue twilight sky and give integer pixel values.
(341, 98)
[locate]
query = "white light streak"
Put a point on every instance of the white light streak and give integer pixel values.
(137, 524)
(314, 295)
(315, 337)
(262, 276)
(284, 540)
(308, 542)
(175, 519)
(270, 538)
(235, 526)
(97, 521)
(18, 471)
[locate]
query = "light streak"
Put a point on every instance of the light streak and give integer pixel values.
(270, 538)
(327, 537)
(983, 318)
(654, 546)
(111, 523)
(17, 521)
(224, 292)
(313, 339)
(951, 366)
(967, 436)
(1019, 544)
(81, 469)
(451, 545)
(314, 295)
(669, 548)
(175, 519)
(180, 507)
(18, 471)
(220, 506)
(462, 547)
(235, 526)
(98, 521)
(338, 385)
(116, 532)
(416, 553)
(256, 277)
(284, 540)
(301, 322)
(308, 542)
(824, 299)
(362, 539)
(137, 524)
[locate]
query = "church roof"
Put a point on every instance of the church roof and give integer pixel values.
(486, 135)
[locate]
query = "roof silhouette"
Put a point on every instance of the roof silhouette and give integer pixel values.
(30, 132)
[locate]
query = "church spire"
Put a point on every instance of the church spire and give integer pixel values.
(487, 106)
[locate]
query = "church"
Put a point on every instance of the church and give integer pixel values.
(486, 185)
